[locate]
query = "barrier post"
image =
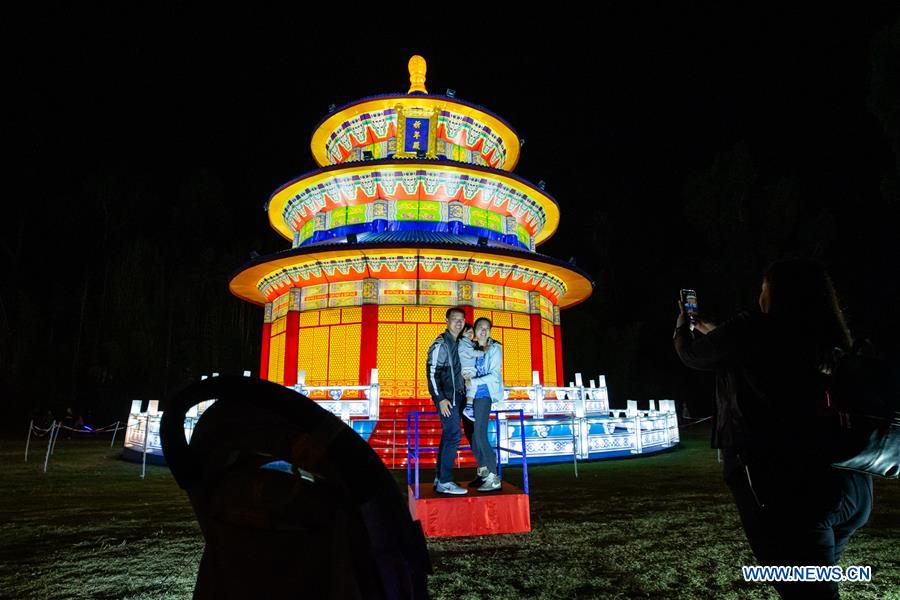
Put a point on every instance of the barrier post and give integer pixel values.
(538, 395)
(574, 446)
(638, 448)
(115, 431)
(28, 439)
(54, 438)
(49, 442)
(144, 456)
(417, 454)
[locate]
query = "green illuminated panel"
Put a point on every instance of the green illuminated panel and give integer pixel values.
(522, 234)
(356, 214)
(307, 230)
(495, 221)
(429, 210)
(407, 210)
(477, 217)
(339, 217)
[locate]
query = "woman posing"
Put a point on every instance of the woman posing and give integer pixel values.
(488, 387)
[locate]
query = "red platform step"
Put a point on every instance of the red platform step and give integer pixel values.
(477, 513)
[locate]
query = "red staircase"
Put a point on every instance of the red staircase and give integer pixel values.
(389, 438)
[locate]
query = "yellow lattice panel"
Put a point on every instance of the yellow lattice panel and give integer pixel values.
(343, 359)
(351, 315)
(387, 360)
(353, 348)
(276, 358)
(309, 318)
(502, 319)
(480, 312)
(392, 314)
(416, 314)
(547, 327)
(312, 356)
(405, 351)
(306, 348)
(517, 357)
(521, 322)
(426, 334)
(278, 326)
(549, 360)
(499, 334)
(330, 317)
(439, 314)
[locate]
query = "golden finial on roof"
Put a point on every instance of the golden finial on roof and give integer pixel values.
(417, 75)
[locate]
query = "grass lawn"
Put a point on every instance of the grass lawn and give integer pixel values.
(654, 527)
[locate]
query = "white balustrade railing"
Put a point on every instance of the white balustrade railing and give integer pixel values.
(365, 408)
(575, 404)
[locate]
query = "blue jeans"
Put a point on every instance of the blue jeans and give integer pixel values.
(805, 522)
(481, 447)
(451, 434)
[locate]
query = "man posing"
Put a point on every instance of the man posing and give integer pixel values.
(448, 392)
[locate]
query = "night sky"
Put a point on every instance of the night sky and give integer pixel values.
(687, 146)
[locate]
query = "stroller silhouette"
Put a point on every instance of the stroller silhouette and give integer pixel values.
(291, 502)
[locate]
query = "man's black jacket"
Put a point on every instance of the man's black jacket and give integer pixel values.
(443, 370)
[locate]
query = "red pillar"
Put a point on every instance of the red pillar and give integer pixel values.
(368, 353)
(291, 345)
(537, 346)
(292, 338)
(264, 351)
(557, 338)
(470, 314)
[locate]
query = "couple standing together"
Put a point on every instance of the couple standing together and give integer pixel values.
(464, 368)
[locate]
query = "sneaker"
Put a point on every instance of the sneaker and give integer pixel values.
(479, 478)
(469, 412)
(450, 488)
(491, 483)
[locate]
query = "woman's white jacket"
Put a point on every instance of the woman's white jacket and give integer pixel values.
(493, 365)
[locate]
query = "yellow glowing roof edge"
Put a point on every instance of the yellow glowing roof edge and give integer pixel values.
(243, 285)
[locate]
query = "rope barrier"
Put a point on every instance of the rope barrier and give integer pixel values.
(53, 434)
(697, 421)
(105, 429)
(38, 431)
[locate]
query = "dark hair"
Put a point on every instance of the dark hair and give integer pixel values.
(450, 311)
(801, 292)
(467, 327)
(475, 324)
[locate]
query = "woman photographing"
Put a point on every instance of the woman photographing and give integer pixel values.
(771, 370)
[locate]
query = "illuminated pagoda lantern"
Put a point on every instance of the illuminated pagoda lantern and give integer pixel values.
(414, 209)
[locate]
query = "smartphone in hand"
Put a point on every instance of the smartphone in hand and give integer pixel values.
(689, 302)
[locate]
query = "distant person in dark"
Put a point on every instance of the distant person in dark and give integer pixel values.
(795, 508)
(69, 422)
(447, 389)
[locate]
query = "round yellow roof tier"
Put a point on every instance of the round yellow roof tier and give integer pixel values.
(296, 203)
(415, 125)
(376, 127)
(268, 277)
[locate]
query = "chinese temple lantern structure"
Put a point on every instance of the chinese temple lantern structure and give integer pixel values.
(414, 209)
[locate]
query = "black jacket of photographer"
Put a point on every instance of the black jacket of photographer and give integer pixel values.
(769, 389)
